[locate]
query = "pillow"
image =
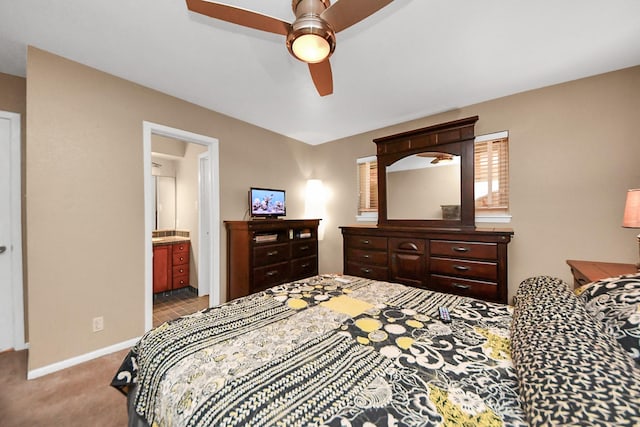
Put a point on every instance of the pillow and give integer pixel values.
(616, 303)
(570, 371)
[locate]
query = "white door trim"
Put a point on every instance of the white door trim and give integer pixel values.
(15, 251)
(204, 200)
(148, 129)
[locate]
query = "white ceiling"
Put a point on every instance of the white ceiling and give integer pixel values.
(411, 59)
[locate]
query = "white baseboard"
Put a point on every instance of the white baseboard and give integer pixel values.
(22, 346)
(54, 367)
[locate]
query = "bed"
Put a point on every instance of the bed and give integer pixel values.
(346, 351)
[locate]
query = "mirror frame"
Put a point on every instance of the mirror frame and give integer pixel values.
(455, 137)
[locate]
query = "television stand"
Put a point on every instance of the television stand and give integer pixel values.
(268, 252)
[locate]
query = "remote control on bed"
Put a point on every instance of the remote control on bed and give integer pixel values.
(444, 314)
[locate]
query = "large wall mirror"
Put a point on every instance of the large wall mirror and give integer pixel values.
(425, 177)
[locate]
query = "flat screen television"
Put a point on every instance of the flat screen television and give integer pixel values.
(267, 202)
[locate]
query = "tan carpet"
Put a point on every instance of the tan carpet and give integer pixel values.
(77, 396)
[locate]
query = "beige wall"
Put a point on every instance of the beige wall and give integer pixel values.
(86, 218)
(13, 98)
(436, 186)
(574, 152)
(166, 145)
(13, 90)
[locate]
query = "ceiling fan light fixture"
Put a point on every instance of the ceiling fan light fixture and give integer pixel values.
(310, 48)
(311, 39)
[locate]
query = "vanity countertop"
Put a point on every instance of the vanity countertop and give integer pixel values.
(168, 240)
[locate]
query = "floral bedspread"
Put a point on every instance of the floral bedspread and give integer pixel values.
(329, 351)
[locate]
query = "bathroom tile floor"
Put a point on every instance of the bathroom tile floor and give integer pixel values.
(171, 305)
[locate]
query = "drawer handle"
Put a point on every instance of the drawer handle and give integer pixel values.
(181, 271)
(272, 273)
(461, 268)
(305, 265)
(272, 253)
(304, 248)
(460, 249)
(181, 258)
(364, 242)
(366, 256)
(366, 270)
(460, 286)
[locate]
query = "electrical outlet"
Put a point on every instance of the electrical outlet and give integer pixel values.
(98, 324)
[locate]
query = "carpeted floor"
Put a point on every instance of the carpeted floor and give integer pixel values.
(77, 396)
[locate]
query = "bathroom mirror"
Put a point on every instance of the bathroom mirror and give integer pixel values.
(425, 176)
(165, 202)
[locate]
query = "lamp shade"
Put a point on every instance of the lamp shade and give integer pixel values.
(632, 209)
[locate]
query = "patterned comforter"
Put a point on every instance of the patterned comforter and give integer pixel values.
(329, 351)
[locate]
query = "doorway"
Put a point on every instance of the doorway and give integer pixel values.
(11, 283)
(208, 191)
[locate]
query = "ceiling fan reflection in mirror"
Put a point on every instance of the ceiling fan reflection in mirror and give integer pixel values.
(436, 156)
(311, 37)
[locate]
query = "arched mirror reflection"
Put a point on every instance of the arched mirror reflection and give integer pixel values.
(424, 185)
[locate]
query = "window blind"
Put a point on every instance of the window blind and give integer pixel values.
(368, 187)
(492, 175)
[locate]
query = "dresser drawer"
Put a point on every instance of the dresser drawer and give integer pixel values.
(304, 267)
(181, 247)
(180, 270)
(270, 275)
(270, 254)
(180, 258)
(476, 250)
(363, 256)
(180, 281)
(464, 268)
(369, 271)
(367, 242)
(465, 287)
(303, 249)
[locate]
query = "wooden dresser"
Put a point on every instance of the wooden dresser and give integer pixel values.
(469, 263)
(265, 253)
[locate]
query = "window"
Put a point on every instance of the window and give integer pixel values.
(367, 188)
(492, 174)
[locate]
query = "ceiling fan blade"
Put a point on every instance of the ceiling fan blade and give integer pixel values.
(322, 77)
(344, 13)
(237, 15)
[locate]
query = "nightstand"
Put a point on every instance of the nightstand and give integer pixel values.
(590, 271)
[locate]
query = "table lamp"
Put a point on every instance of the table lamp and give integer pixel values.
(632, 213)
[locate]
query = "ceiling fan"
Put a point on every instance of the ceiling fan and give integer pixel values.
(311, 37)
